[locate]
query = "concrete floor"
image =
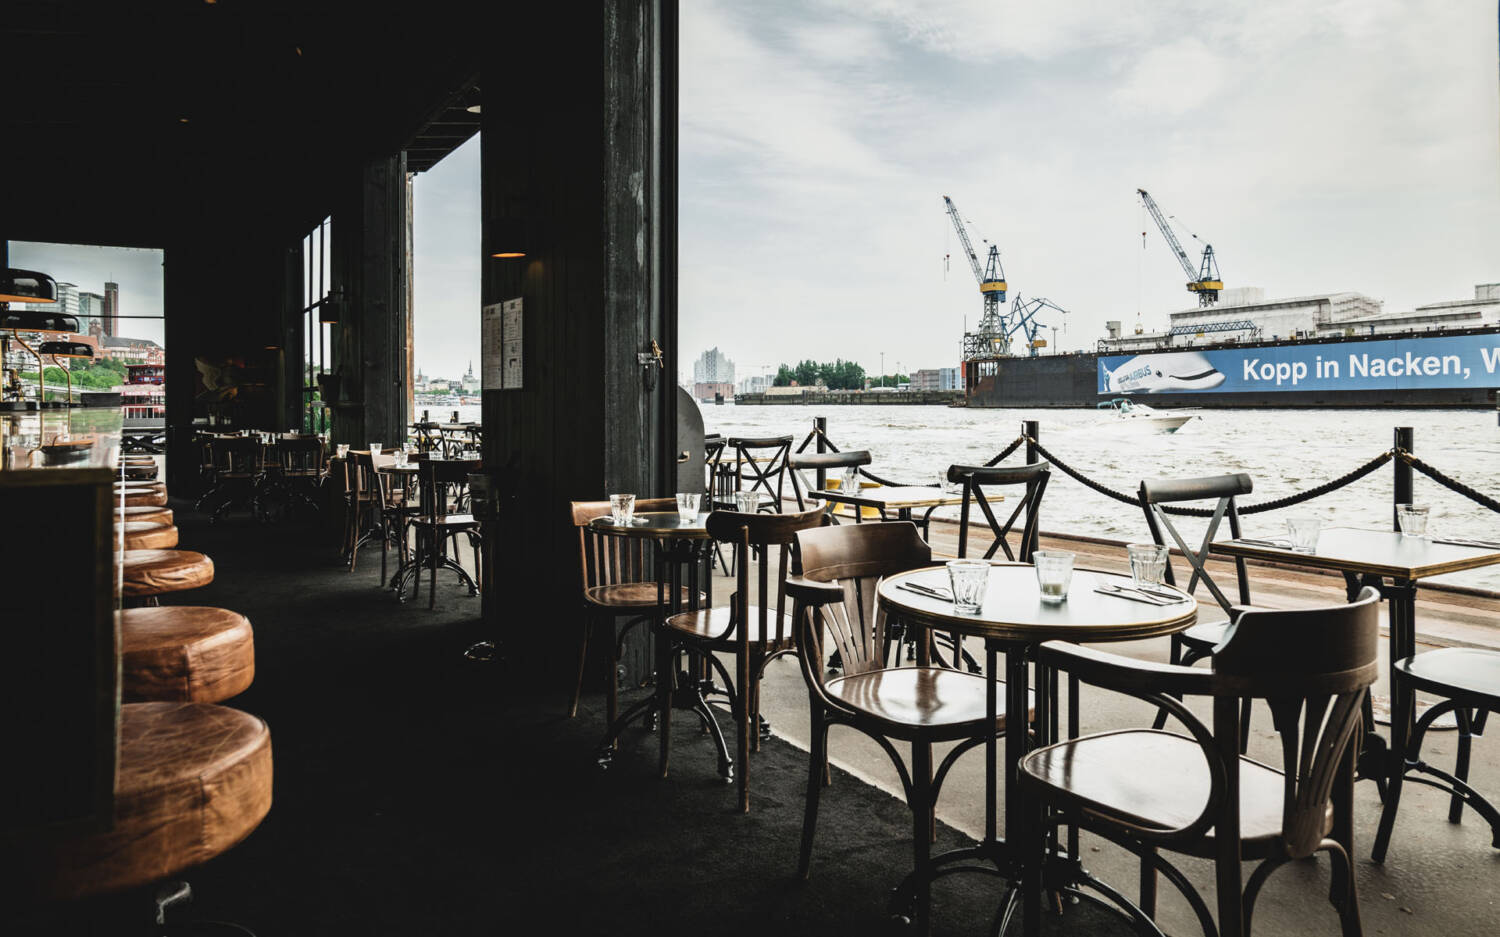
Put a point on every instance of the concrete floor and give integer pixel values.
(1438, 878)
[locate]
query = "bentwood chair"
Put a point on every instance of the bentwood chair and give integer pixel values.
(835, 609)
(443, 486)
(753, 629)
(836, 462)
(373, 505)
(617, 578)
(759, 465)
(1467, 682)
(1199, 641)
(977, 481)
(300, 462)
(238, 469)
(1196, 794)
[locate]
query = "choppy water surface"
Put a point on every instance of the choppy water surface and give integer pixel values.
(1284, 451)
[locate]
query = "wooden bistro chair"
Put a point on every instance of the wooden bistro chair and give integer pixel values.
(1194, 793)
(371, 508)
(759, 465)
(977, 481)
(834, 462)
(754, 629)
(1199, 641)
(834, 609)
(238, 469)
(443, 485)
(300, 463)
(617, 579)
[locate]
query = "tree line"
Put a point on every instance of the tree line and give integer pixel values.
(835, 375)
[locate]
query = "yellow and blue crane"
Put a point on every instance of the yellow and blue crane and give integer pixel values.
(993, 336)
(1204, 280)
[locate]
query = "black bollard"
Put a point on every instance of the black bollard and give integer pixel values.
(1401, 492)
(820, 424)
(1032, 430)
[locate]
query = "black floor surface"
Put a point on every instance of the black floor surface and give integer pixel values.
(420, 793)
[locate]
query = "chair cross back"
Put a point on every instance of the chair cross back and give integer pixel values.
(799, 462)
(760, 464)
(1225, 488)
(975, 479)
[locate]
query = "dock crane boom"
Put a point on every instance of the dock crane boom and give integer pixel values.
(990, 276)
(1204, 280)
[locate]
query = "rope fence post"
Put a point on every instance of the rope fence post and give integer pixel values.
(820, 426)
(1401, 490)
(1032, 430)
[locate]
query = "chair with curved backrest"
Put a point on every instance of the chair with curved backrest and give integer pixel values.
(1196, 794)
(617, 577)
(799, 462)
(300, 459)
(370, 497)
(759, 465)
(238, 468)
(443, 484)
(834, 607)
(1467, 682)
(753, 628)
(977, 480)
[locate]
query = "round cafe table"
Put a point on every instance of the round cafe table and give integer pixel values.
(1013, 621)
(683, 553)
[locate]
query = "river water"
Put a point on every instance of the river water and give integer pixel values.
(1283, 451)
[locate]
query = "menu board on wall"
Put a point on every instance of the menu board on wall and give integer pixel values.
(501, 353)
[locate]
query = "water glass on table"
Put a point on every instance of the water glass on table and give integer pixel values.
(850, 482)
(342, 450)
(967, 579)
(1412, 519)
(1148, 564)
(398, 458)
(622, 509)
(1303, 533)
(1054, 573)
(687, 506)
(747, 502)
(374, 448)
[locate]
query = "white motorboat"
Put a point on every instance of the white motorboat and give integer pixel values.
(1137, 415)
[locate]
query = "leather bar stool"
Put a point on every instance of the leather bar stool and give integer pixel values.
(144, 512)
(139, 471)
(143, 535)
(140, 486)
(150, 573)
(194, 779)
(155, 499)
(184, 653)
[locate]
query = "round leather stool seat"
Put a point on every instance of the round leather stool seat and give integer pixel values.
(155, 499)
(140, 486)
(194, 779)
(143, 535)
(139, 471)
(153, 572)
(144, 512)
(188, 653)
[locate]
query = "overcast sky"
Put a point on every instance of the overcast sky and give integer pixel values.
(1318, 147)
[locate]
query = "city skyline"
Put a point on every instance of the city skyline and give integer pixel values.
(137, 271)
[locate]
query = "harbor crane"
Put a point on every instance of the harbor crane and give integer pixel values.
(996, 326)
(1204, 280)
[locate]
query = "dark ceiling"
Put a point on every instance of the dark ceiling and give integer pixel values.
(123, 122)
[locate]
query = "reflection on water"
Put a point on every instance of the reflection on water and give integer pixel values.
(1284, 451)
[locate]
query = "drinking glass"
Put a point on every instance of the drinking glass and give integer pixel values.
(850, 484)
(687, 506)
(398, 457)
(1054, 573)
(1148, 563)
(622, 509)
(1303, 532)
(968, 578)
(374, 448)
(747, 502)
(343, 450)
(1412, 518)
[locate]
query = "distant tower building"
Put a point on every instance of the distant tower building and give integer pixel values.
(111, 306)
(713, 368)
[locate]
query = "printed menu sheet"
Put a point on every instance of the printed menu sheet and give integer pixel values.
(501, 356)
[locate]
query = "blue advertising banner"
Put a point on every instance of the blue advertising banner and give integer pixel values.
(1403, 363)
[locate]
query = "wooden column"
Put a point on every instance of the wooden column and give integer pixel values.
(575, 146)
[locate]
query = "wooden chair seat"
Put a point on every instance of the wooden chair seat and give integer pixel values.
(708, 624)
(194, 780)
(1161, 780)
(185, 653)
(1456, 671)
(627, 595)
(1204, 636)
(142, 535)
(153, 572)
(134, 499)
(930, 702)
(145, 513)
(444, 520)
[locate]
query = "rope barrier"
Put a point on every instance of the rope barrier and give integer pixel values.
(1006, 451)
(1449, 483)
(1276, 504)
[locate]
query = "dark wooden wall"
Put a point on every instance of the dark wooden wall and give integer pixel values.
(577, 152)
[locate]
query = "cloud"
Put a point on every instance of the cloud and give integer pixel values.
(1171, 80)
